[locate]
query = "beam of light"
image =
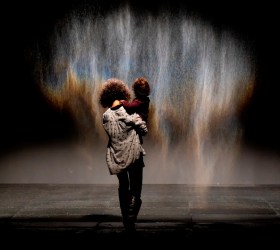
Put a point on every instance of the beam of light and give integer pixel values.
(200, 80)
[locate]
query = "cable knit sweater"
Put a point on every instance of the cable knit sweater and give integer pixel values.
(124, 133)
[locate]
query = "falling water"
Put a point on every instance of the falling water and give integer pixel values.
(200, 79)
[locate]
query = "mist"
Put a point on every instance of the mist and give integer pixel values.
(202, 78)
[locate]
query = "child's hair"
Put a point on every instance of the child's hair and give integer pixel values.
(113, 89)
(141, 87)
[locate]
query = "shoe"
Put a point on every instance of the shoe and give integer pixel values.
(129, 226)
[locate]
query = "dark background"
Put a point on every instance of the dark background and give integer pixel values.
(26, 116)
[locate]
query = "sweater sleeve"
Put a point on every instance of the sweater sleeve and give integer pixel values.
(136, 121)
(140, 124)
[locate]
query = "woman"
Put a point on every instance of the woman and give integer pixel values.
(124, 155)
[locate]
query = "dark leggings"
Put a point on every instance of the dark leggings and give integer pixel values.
(130, 188)
(130, 181)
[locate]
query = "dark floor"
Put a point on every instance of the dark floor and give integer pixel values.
(221, 216)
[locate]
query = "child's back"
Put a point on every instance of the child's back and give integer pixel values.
(140, 104)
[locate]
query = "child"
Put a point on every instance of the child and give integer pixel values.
(140, 104)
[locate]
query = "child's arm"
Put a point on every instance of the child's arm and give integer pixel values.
(131, 105)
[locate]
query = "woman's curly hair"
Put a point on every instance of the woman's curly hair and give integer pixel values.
(113, 89)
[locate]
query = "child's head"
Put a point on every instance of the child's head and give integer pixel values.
(141, 87)
(113, 89)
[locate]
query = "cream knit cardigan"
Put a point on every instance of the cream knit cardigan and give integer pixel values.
(124, 145)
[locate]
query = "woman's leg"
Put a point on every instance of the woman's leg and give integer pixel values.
(136, 181)
(124, 195)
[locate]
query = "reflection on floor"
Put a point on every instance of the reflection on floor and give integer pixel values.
(169, 214)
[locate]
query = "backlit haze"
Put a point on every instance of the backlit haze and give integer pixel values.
(201, 80)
